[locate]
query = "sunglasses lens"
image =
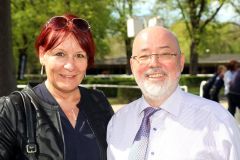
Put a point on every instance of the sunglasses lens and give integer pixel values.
(62, 22)
(81, 24)
(58, 22)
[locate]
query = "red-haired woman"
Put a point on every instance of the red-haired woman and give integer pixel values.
(64, 121)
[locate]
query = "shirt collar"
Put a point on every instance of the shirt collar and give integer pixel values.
(142, 105)
(171, 105)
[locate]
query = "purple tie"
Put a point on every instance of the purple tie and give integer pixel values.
(140, 144)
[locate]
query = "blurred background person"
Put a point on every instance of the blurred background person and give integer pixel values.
(234, 93)
(214, 84)
(228, 77)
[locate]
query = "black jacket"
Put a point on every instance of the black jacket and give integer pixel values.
(47, 126)
(235, 84)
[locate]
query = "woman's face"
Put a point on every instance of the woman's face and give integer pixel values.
(65, 65)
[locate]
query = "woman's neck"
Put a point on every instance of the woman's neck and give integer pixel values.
(71, 96)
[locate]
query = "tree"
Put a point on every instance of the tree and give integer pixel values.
(196, 14)
(219, 38)
(7, 72)
(236, 5)
(123, 9)
(225, 35)
(36, 12)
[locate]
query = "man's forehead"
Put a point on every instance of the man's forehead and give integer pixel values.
(155, 37)
(158, 38)
(157, 47)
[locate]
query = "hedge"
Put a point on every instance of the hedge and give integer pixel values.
(125, 94)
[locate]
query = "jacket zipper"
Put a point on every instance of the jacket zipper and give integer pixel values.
(100, 150)
(59, 120)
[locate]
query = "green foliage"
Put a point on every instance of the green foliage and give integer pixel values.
(109, 80)
(127, 94)
(221, 38)
(29, 16)
(196, 16)
(192, 81)
(218, 38)
(179, 29)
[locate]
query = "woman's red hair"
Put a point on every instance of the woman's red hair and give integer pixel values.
(50, 37)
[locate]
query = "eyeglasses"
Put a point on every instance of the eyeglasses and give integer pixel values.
(60, 22)
(146, 59)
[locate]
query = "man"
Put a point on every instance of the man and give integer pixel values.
(229, 76)
(234, 93)
(214, 84)
(184, 126)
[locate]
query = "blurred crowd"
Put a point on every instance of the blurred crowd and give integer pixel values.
(227, 77)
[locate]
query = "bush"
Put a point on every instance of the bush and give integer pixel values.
(126, 95)
(192, 81)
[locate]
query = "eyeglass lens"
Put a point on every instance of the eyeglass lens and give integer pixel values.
(58, 22)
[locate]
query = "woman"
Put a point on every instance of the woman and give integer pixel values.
(68, 122)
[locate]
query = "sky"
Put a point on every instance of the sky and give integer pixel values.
(225, 14)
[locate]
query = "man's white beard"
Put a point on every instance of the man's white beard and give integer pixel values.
(153, 90)
(157, 90)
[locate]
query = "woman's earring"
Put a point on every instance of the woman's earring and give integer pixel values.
(42, 70)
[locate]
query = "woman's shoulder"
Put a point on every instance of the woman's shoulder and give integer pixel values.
(93, 92)
(4, 102)
(97, 97)
(11, 105)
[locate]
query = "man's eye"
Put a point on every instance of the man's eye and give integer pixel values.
(60, 54)
(166, 53)
(144, 57)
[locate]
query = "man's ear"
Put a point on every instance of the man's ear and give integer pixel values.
(131, 65)
(182, 61)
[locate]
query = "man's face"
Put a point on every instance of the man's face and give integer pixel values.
(157, 75)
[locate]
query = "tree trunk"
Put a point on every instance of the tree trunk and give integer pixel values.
(7, 69)
(193, 68)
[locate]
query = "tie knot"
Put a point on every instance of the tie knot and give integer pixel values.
(149, 111)
(145, 125)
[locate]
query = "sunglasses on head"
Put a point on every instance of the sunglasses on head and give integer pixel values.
(60, 22)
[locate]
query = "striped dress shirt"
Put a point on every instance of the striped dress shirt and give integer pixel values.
(187, 127)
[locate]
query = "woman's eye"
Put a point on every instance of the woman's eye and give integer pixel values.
(80, 56)
(61, 54)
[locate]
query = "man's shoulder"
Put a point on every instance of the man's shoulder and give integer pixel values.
(203, 105)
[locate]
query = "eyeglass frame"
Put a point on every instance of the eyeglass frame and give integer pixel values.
(67, 22)
(149, 57)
